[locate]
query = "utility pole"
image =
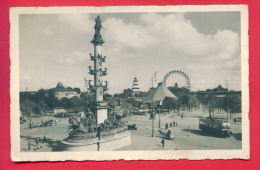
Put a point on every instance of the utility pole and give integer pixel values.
(30, 120)
(227, 102)
(210, 101)
(86, 85)
(153, 79)
(153, 117)
(159, 120)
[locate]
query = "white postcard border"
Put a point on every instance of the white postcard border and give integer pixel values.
(19, 156)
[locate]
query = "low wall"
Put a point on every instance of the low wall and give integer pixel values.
(107, 143)
(84, 136)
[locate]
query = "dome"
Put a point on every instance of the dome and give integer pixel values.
(60, 85)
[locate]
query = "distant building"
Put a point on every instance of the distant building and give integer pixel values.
(62, 110)
(61, 92)
(59, 110)
(28, 92)
(135, 87)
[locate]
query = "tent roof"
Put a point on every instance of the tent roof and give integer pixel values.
(159, 94)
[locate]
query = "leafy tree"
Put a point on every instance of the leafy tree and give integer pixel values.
(51, 100)
(77, 90)
(127, 92)
(170, 103)
(77, 104)
(179, 91)
(107, 96)
(233, 103)
(26, 108)
(29, 107)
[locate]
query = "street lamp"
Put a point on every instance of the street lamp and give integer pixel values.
(160, 104)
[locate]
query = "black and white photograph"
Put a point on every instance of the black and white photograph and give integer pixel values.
(132, 83)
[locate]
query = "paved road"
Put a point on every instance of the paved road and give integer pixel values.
(187, 135)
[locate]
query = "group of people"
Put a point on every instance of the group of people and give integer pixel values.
(43, 123)
(37, 141)
(167, 135)
(171, 124)
(48, 123)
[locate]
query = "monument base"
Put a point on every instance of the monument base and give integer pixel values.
(101, 115)
(102, 112)
(106, 143)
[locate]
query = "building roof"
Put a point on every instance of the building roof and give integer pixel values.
(60, 88)
(159, 94)
(59, 85)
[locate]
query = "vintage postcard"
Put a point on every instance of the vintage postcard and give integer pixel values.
(131, 83)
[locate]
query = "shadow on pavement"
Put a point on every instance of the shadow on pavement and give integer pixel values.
(237, 136)
(56, 146)
(202, 133)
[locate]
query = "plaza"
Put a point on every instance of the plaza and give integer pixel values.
(187, 135)
(164, 116)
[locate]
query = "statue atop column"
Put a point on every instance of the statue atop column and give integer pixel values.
(98, 25)
(97, 39)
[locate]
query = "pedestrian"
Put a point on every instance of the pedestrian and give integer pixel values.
(29, 144)
(162, 142)
(99, 132)
(44, 139)
(36, 141)
(166, 126)
(173, 123)
(98, 146)
(169, 134)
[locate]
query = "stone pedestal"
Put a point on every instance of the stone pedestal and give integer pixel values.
(107, 143)
(102, 112)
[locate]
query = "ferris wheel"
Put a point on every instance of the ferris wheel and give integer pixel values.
(181, 73)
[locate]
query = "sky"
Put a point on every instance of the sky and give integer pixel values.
(204, 45)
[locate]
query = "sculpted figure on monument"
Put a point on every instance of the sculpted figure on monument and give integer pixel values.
(97, 40)
(98, 25)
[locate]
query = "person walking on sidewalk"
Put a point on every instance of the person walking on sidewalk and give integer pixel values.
(162, 142)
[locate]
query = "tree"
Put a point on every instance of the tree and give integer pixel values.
(233, 103)
(29, 107)
(170, 103)
(51, 100)
(127, 92)
(77, 104)
(193, 101)
(77, 90)
(127, 108)
(179, 91)
(25, 108)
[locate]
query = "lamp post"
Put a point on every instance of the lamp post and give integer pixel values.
(227, 108)
(160, 114)
(152, 117)
(159, 120)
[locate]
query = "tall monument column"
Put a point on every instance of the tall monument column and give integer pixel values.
(98, 72)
